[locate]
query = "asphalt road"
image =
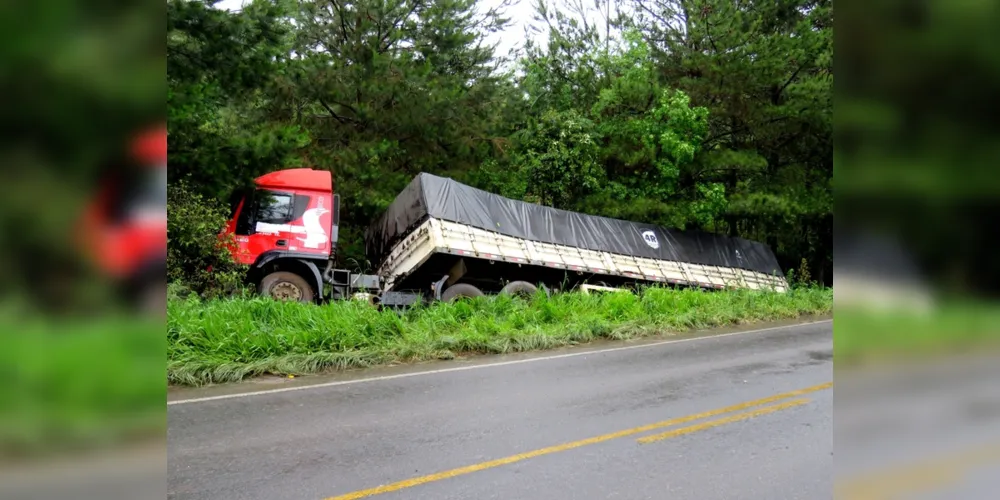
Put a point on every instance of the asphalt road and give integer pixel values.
(708, 418)
(928, 429)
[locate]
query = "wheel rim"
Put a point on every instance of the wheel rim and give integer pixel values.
(286, 291)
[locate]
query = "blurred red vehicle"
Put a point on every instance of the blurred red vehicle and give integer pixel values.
(124, 228)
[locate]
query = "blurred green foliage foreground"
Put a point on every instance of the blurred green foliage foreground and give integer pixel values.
(229, 340)
(73, 386)
(864, 336)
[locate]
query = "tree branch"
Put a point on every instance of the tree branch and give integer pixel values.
(343, 22)
(384, 43)
(341, 119)
(744, 128)
(348, 106)
(777, 94)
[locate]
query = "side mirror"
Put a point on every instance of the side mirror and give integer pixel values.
(336, 209)
(335, 230)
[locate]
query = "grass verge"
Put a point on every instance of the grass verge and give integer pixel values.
(230, 340)
(863, 336)
(78, 385)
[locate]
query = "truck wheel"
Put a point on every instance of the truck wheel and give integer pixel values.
(283, 285)
(461, 290)
(153, 300)
(520, 289)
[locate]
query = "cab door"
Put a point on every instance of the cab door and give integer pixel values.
(290, 221)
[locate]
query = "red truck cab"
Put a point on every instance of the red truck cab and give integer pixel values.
(123, 228)
(285, 229)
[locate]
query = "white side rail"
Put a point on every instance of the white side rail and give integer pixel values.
(438, 236)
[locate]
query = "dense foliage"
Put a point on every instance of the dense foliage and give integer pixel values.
(198, 261)
(705, 114)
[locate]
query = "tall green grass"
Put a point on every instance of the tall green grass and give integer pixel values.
(230, 340)
(79, 385)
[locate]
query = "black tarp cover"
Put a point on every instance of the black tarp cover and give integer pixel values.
(432, 196)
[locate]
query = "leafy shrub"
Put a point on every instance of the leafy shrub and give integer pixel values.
(197, 260)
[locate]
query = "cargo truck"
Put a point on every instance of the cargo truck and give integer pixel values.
(443, 240)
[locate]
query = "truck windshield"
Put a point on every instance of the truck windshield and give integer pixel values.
(268, 207)
(142, 196)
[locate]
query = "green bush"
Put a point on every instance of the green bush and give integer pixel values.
(196, 259)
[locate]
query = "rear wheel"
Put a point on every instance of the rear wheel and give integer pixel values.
(520, 289)
(460, 290)
(284, 285)
(153, 300)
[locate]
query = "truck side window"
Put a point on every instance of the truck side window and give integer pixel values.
(301, 204)
(274, 208)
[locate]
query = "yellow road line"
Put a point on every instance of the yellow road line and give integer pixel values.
(922, 477)
(723, 421)
(416, 481)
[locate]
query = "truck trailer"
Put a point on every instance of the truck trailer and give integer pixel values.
(443, 240)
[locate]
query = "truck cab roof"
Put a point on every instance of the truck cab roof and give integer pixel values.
(297, 178)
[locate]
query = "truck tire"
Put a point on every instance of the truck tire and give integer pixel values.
(520, 289)
(153, 300)
(284, 285)
(460, 290)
